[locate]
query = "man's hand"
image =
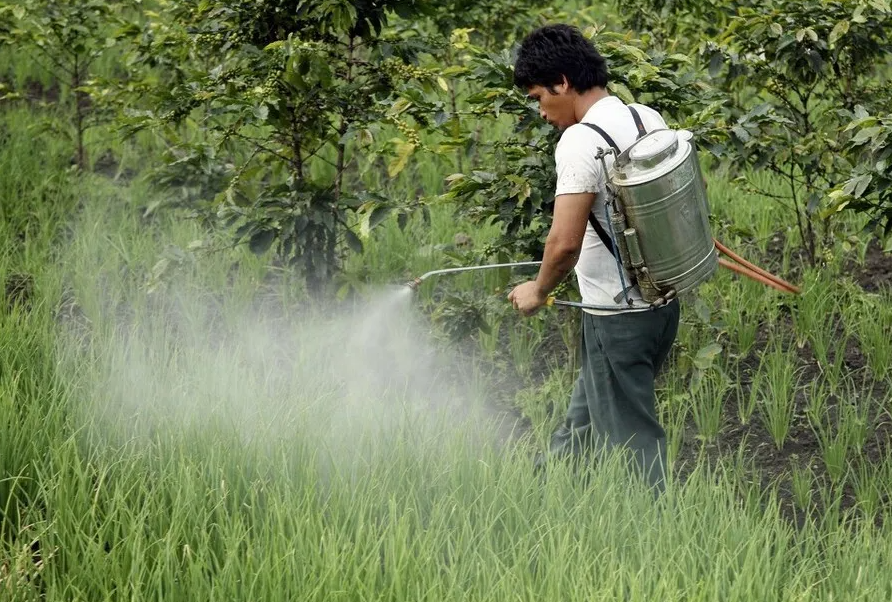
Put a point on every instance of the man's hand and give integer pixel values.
(562, 247)
(528, 298)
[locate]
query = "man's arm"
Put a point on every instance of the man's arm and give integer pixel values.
(564, 242)
(562, 248)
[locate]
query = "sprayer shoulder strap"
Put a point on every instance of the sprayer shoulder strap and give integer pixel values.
(638, 123)
(599, 229)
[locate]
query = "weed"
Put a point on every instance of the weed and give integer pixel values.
(777, 402)
(707, 401)
(801, 479)
(523, 343)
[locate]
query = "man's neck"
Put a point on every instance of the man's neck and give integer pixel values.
(586, 101)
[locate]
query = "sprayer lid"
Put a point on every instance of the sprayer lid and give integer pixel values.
(651, 157)
(653, 149)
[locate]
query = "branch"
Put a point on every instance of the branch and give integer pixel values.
(780, 172)
(316, 152)
(261, 147)
(782, 200)
(55, 61)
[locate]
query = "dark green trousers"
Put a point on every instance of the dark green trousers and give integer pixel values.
(613, 401)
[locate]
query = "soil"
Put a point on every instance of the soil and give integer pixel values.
(769, 465)
(876, 273)
(18, 290)
(766, 466)
(107, 165)
(35, 92)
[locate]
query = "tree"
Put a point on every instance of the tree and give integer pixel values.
(66, 37)
(868, 189)
(286, 91)
(677, 23)
(795, 71)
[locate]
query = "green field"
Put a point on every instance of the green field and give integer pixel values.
(178, 422)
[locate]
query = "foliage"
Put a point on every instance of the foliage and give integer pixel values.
(869, 188)
(287, 102)
(66, 38)
(515, 182)
(494, 25)
(677, 23)
(796, 68)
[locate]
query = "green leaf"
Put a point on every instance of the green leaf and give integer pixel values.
(353, 241)
(863, 121)
(741, 133)
(621, 91)
(702, 310)
(814, 202)
(815, 61)
(520, 187)
(706, 355)
(400, 106)
(857, 186)
(19, 12)
(261, 241)
(776, 29)
(839, 30)
(863, 182)
(866, 134)
(378, 215)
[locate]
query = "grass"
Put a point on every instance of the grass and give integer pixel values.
(776, 401)
(173, 427)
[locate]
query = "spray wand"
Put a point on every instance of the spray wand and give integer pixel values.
(744, 268)
(551, 301)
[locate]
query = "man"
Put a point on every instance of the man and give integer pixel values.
(613, 400)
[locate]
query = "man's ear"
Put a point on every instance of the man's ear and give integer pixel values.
(561, 88)
(564, 86)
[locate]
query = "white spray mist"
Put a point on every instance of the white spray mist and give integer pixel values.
(342, 384)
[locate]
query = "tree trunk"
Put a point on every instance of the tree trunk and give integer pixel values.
(456, 128)
(80, 101)
(340, 165)
(805, 229)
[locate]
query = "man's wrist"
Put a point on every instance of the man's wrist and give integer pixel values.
(543, 290)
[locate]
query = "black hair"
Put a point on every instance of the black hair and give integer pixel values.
(553, 52)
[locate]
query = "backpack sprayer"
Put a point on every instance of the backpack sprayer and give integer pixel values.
(658, 215)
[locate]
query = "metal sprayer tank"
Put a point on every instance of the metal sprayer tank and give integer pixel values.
(661, 217)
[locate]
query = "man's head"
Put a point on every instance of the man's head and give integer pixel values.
(555, 64)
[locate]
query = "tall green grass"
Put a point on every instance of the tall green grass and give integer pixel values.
(247, 493)
(175, 424)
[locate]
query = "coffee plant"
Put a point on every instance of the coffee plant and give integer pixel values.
(868, 190)
(66, 38)
(287, 93)
(794, 71)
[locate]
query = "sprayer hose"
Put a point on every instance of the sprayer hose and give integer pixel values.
(752, 271)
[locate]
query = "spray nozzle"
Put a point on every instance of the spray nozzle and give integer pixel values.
(550, 302)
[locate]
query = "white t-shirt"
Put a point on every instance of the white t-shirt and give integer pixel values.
(578, 171)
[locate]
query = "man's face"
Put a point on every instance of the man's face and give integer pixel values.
(555, 104)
